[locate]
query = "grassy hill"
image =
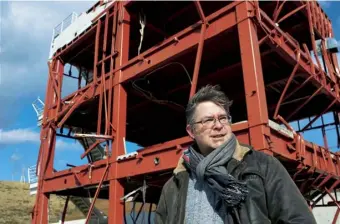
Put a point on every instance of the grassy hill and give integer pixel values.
(16, 205)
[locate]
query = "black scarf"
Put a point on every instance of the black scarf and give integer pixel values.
(212, 169)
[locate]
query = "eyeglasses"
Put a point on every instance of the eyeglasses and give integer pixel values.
(211, 121)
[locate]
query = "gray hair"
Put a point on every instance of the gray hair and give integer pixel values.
(205, 94)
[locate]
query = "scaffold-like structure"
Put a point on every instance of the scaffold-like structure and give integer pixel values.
(139, 62)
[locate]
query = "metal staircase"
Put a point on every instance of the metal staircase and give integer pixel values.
(97, 153)
(83, 204)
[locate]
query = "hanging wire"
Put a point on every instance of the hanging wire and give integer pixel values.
(147, 94)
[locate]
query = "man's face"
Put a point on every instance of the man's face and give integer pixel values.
(211, 128)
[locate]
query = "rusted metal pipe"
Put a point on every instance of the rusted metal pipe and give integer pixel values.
(291, 13)
(65, 209)
(100, 107)
(71, 109)
(96, 51)
(278, 11)
(91, 148)
(103, 72)
(200, 11)
(96, 195)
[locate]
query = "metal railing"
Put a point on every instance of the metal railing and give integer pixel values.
(32, 176)
(64, 24)
(38, 106)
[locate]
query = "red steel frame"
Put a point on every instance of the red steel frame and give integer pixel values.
(248, 17)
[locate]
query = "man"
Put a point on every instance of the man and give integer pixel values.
(218, 180)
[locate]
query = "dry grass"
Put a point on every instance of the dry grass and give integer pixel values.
(16, 205)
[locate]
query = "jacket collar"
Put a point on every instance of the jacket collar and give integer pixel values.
(239, 153)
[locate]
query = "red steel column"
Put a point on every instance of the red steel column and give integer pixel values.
(116, 210)
(47, 147)
(59, 68)
(253, 78)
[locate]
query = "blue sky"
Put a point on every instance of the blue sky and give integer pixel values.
(25, 36)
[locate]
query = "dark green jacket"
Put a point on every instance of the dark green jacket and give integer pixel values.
(273, 196)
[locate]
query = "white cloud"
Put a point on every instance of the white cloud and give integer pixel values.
(25, 37)
(18, 136)
(63, 145)
(28, 17)
(39, 18)
(26, 31)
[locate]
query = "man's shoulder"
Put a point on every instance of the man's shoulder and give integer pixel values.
(261, 159)
(175, 181)
(259, 155)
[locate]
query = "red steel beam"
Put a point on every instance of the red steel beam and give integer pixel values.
(219, 21)
(114, 4)
(96, 52)
(291, 13)
(69, 110)
(96, 195)
(94, 145)
(253, 78)
(167, 153)
(288, 53)
(51, 76)
(158, 55)
(116, 190)
(60, 72)
(287, 84)
(69, 178)
(46, 152)
(45, 167)
(205, 79)
(102, 95)
(110, 130)
(278, 10)
(199, 49)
